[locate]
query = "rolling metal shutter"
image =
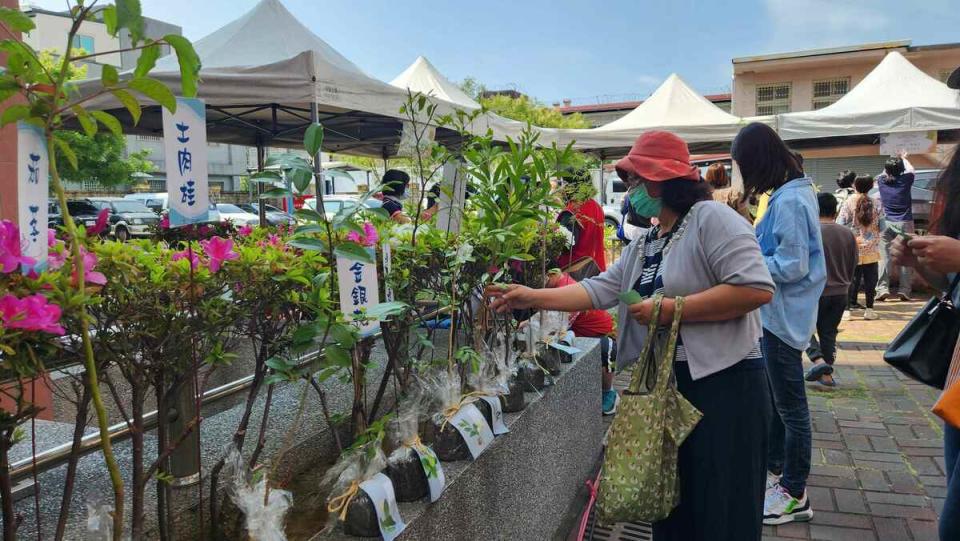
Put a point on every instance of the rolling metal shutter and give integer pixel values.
(824, 171)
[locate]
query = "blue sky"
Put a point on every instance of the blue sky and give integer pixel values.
(555, 49)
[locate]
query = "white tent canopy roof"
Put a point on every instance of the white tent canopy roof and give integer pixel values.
(423, 77)
(896, 96)
(674, 103)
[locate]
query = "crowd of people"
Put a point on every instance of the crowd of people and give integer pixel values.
(768, 270)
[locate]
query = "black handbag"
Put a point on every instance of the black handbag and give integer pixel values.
(924, 347)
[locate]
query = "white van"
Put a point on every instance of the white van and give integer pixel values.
(159, 202)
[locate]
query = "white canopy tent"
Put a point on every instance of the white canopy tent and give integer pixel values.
(423, 77)
(895, 97)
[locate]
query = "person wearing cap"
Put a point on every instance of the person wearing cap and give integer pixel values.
(394, 190)
(704, 251)
(584, 217)
(790, 239)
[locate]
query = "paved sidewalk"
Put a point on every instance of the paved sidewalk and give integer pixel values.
(878, 471)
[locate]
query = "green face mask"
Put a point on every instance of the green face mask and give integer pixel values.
(643, 204)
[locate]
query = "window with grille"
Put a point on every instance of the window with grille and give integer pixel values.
(773, 99)
(83, 42)
(829, 90)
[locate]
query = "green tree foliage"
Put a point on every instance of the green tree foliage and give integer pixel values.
(101, 158)
(51, 60)
(526, 109)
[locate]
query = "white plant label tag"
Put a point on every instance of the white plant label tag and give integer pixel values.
(497, 410)
(433, 470)
(565, 348)
(185, 151)
(474, 429)
(380, 490)
(358, 289)
(33, 192)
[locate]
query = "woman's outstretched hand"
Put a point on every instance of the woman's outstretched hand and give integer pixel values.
(510, 297)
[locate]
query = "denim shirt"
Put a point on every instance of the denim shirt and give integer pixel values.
(790, 242)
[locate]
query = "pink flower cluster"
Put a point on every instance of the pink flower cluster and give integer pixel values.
(31, 313)
(369, 237)
(100, 225)
(11, 248)
(58, 258)
(219, 250)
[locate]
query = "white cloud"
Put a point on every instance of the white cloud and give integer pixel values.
(799, 24)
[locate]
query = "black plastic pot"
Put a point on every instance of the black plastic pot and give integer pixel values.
(361, 517)
(532, 377)
(485, 409)
(549, 360)
(449, 444)
(515, 400)
(408, 477)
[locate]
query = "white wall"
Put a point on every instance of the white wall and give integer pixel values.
(51, 33)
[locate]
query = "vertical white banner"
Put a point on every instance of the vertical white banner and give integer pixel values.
(358, 289)
(33, 188)
(387, 267)
(185, 155)
(452, 196)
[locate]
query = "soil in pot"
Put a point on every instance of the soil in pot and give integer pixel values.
(362, 517)
(449, 444)
(532, 377)
(549, 360)
(514, 400)
(408, 477)
(484, 408)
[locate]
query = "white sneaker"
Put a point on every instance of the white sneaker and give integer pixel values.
(780, 507)
(846, 315)
(870, 315)
(773, 480)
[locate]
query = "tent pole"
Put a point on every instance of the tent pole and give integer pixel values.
(261, 158)
(317, 165)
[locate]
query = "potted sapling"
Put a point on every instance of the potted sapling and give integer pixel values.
(413, 467)
(263, 508)
(489, 384)
(458, 428)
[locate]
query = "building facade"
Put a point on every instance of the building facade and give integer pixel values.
(226, 163)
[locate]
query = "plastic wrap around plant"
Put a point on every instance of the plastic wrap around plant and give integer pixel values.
(550, 326)
(355, 466)
(404, 429)
(99, 521)
(263, 521)
(495, 371)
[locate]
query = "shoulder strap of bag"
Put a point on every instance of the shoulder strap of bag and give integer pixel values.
(638, 370)
(666, 360)
(948, 294)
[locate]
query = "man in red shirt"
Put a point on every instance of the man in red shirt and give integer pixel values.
(583, 216)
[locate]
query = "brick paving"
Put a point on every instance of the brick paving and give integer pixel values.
(877, 471)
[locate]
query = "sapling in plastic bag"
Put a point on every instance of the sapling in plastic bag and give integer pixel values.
(413, 467)
(263, 521)
(362, 497)
(490, 382)
(460, 431)
(99, 521)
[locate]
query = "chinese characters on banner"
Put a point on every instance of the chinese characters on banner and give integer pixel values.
(359, 289)
(185, 152)
(33, 180)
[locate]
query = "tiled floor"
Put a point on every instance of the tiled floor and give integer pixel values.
(878, 472)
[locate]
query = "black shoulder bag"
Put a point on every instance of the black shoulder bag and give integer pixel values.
(924, 347)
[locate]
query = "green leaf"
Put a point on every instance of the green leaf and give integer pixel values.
(266, 176)
(353, 251)
(305, 333)
(8, 87)
(309, 228)
(387, 309)
(307, 243)
(301, 178)
(109, 15)
(109, 121)
(129, 17)
(308, 214)
(277, 364)
(156, 91)
(14, 113)
(130, 103)
(189, 63)
(16, 20)
(147, 60)
(337, 355)
(87, 121)
(109, 75)
(344, 335)
(274, 379)
(275, 192)
(313, 138)
(67, 152)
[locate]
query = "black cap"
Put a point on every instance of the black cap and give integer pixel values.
(954, 80)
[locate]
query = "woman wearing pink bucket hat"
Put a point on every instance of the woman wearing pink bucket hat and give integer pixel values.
(705, 252)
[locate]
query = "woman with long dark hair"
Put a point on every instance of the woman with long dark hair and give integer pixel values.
(789, 236)
(705, 252)
(862, 215)
(937, 258)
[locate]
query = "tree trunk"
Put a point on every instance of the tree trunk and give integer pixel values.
(138, 484)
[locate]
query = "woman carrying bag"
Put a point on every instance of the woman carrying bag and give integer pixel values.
(706, 253)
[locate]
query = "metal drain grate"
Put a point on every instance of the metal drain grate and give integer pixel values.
(622, 531)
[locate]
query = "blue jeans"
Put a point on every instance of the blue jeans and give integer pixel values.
(950, 518)
(790, 441)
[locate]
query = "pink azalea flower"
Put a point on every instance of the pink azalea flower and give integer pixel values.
(369, 236)
(165, 222)
(51, 238)
(244, 231)
(31, 313)
(56, 258)
(100, 224)
(90, 276)
(274, 240)
(219, 250)
(11, 248)
(204, 229)
(187, 254)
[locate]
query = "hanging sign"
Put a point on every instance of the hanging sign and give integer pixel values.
(496, 410)
(185, 154)
(358, 290)
(912, 142)
(33, 186)
(380, 490)
(474, 429)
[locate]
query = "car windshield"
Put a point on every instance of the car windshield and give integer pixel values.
(81, 207)
(332, 207)
(229, 209)
(130, 206)
(926, 180)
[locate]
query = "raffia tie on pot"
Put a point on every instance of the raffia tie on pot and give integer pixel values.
(415, 443)
(341, 503)
(452, 410)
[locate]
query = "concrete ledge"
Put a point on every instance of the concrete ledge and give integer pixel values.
(523, 484)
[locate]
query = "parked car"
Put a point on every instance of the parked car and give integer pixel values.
(158, 202)
(333, 203)
(275, 216)
(235, 214)
(923, 193)
(128, 218)
(82, 211)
